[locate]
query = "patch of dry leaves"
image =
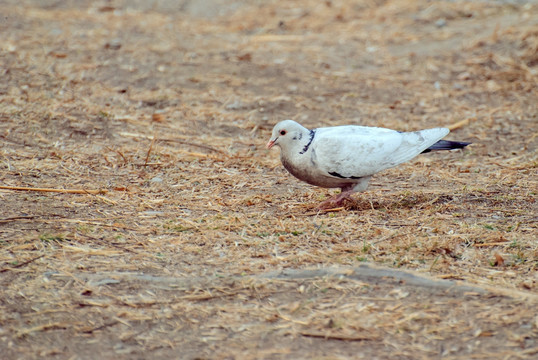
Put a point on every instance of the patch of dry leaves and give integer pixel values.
(163, 113)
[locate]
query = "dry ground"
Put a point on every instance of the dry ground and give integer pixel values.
(200, 245)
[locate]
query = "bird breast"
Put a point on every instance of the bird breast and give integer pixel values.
(304, 168)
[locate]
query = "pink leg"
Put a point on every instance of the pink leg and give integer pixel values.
(336, 201)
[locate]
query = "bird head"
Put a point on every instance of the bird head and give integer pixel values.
(286, 134)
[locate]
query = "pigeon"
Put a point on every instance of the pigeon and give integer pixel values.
(347, 156)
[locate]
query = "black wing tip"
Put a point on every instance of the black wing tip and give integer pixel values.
(447, 145)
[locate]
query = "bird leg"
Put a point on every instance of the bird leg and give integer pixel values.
(336, 200)
(347, 190)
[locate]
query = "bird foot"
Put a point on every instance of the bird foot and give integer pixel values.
(336, 201)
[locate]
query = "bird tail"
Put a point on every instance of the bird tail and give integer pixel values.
(446, 145)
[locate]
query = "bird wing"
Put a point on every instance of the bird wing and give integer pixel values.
(357, 151)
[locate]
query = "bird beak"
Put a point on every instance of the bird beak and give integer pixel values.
(271, 143)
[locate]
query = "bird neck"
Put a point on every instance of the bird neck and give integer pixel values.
(310, 139)
(298, 144)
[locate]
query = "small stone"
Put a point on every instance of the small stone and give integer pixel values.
(527, 284)
(106, 282)
(152, 213)
(114, 44)
(293, 88)
(492, 86)
(236, 105)
(440, 23)
(464, 76)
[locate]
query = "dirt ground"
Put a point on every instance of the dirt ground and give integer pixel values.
(185, 238)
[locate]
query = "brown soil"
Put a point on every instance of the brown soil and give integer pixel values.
(187, 239)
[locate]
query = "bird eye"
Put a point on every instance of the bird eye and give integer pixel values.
(282, 132)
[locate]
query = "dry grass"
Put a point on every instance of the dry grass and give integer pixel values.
(170, 223)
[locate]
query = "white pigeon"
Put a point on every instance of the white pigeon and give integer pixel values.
(346, 157)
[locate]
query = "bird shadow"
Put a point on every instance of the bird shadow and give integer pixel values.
(397, 202)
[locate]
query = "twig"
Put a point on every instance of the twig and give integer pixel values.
(389, 237)
(194, 144)
(284, 317)
(200, 155)
(491, 244)
(451, 276)
(458, 124)
(183, 142)
(120, 154)
(44, 327)
(531, 351)
(115, 225)
(15, 218)
(21, 264)
(334, 209)
(150, 164)
(277, 38)
(209, 296)
(12, 141)
(434, 262)
(89, 331)
(324, 211)
(65, 191)
(149, 151)
(337, 337)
